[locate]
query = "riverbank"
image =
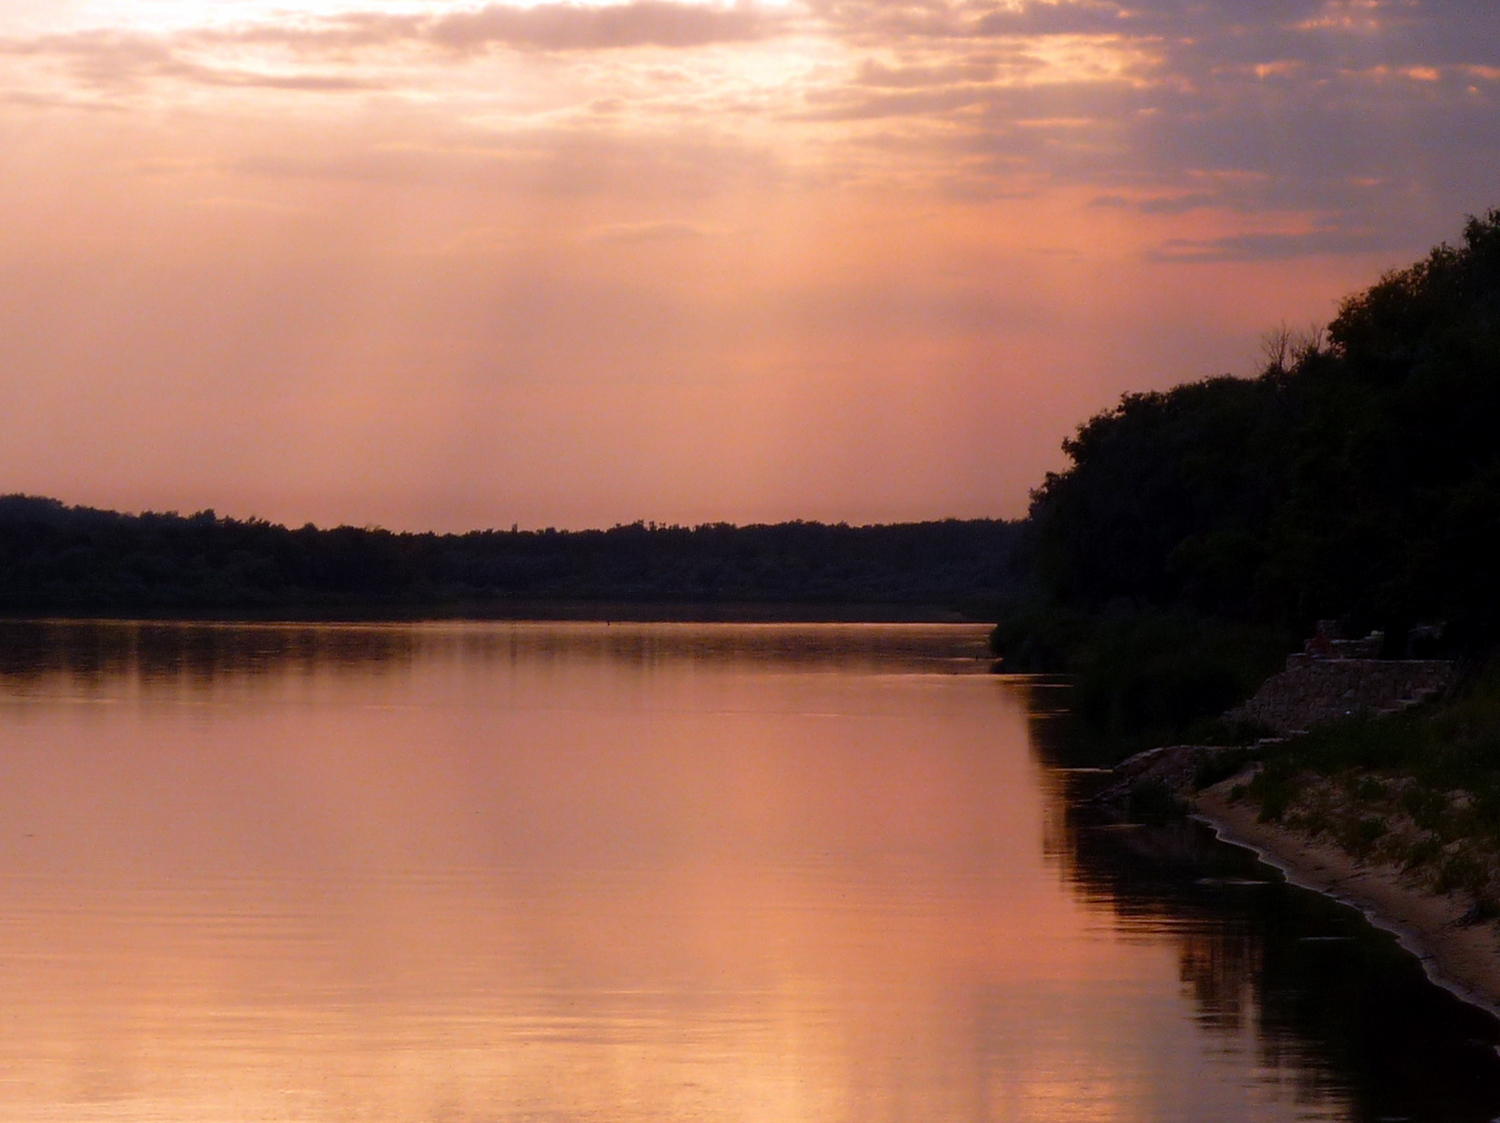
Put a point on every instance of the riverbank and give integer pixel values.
(1458, 953)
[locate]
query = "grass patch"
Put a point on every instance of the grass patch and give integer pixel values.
(1419, 788)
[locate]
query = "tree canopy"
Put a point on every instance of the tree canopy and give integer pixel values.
(1200, 532)
(1360, 480)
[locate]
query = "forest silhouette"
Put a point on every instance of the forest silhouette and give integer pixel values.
(1200, 532)
(57, 559)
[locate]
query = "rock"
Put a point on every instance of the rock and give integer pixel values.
(1173, 767)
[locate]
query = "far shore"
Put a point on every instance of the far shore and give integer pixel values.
(1458, 955)
(599, 611)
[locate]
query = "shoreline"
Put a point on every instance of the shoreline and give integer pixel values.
(1462, 958)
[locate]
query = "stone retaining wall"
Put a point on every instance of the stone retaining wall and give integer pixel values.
(1311, 690)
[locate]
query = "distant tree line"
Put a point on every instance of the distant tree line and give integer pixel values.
(1200, 532)
(57, 559)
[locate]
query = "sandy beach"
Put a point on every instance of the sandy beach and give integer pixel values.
(1461, 957)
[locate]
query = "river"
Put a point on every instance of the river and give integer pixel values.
(566, 873)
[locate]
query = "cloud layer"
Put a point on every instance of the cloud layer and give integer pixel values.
(1344, 109)
(573, 262)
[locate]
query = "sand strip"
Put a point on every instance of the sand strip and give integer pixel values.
(1461, 958)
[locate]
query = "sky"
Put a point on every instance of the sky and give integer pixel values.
(438, 265)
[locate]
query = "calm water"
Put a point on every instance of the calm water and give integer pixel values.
(545, 873)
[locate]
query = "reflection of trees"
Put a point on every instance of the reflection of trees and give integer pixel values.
(198, 652)
(1218, 971)
(1333, 1006)
(92, 651)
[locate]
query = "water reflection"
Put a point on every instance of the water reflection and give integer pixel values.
(531, 872)
(197, 653)
(92, 652)
(1332, 1007)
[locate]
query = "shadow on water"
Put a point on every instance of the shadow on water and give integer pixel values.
(1328, 1000)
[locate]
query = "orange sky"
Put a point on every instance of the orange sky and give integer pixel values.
(435, 264)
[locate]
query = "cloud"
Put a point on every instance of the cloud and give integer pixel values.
(659, 231)
(557, 161)
(1323, 112)
(1159, 204)
(1345, 113)
(1274, 246)
(306, 83)
(114, 59)
(975, 68)
(1140, 19)
(1219, 32)
(29, 100)
(353, 51)
(862, 105)
(563, 27)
